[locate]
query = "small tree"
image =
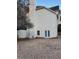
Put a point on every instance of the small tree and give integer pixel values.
(22, 20)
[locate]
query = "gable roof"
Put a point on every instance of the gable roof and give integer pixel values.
(42, 7)
(55, 8)
(39, 8)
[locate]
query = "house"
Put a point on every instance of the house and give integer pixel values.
(44, 20)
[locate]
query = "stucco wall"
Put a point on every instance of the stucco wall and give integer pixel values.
(44, 20)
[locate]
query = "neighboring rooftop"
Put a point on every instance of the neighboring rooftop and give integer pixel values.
(55, 8)
(42, 7)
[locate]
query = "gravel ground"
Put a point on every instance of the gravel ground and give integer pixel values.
(39, 49)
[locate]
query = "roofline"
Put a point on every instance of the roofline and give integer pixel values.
(47, 9)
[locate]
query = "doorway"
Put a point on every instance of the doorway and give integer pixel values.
(47, 33)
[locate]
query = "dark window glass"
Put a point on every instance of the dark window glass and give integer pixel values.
(48, 33)
(60, 18)
(57, 17)
(45, 33)
(38, 32)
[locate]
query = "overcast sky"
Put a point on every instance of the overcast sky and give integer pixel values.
(48, 3)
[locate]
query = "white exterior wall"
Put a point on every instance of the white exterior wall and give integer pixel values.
(44, 20)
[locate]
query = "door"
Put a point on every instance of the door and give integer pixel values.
(47, 34)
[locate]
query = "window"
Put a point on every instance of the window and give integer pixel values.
(45, 33)
(38, 32)
(60, 18)
(48, 33)
(57, 16)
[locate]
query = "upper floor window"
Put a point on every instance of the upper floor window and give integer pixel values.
(60, 18)
(57, 16)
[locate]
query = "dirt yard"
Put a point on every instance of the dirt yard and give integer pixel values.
(39, 49)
